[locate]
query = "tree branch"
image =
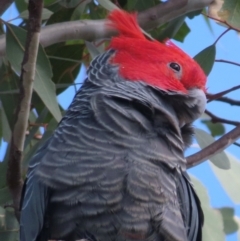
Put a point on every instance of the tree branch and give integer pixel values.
(228, 101)
(4, 5)
(212, 97)
(222, 35)
(92, 30)
(213, 149)
(216, 119)
(14, 178)
(226, 61)
(222, 21)
(236, 144)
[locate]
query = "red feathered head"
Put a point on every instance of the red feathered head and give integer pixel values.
(162, 65)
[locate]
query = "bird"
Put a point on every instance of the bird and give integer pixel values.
(114, 168)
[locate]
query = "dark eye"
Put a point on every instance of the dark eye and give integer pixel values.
(175, 66)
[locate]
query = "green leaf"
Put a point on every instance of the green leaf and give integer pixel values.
(176, 29)
(206, 58)
(62, 15)
(141, 5)
(171, 28)
(49, 2)
(9, 226)
(15, 42)
(217, 129)
(204, 139)
(28, 153)
(230, 178)
(92, 49)
(70, 4)
(182, 32)
(3, 169)
(79, 10)
(213, 223)
(193, 14)
(21, 5)
(9, 81)
(237, 219)
(65, 62)
(107, 4)
(6, 131)
(207, 20)
(96, 12)
(45, 14)
(43, 84)
(230, 225)
(230, 12)
(5, 196)
(1, 125)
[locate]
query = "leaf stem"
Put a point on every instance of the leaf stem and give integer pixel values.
(227, 61)
(222, 35)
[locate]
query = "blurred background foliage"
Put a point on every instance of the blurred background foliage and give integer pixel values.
(58, 68)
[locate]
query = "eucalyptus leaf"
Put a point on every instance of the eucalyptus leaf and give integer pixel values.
(61, 15)
(1, 125)
(206, 58)
(96, 11)
(45, 14)
(3, 169)
(107, 4)
(5, 196)
(204, 139)
(217, 129)
(171, 28)
(230, 224)
(182, 32)
(79, 10)
(9, 225)
(65, 61)
(28, 153)
(49, 2)
(69, 4)
(9, 81)
(230, 12)
(6, 131)
(237, 220)
(213, 223)
(21, 5)
(230, 178)
(92, 49)
(43, 84)
(141, 5)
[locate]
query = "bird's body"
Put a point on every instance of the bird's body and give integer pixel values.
(114, 168)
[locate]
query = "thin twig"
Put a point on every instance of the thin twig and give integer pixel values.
(236, 144)
(215, 148)
(212, 97)
(38, 124)
(227, 61)
(216, 119)
(222, 21)
(14, 176)
(228, 101)
(222, 35)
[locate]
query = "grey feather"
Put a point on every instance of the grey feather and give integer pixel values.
(114, 168)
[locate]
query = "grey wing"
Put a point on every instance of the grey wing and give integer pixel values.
(190, 208)
(34, 202)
